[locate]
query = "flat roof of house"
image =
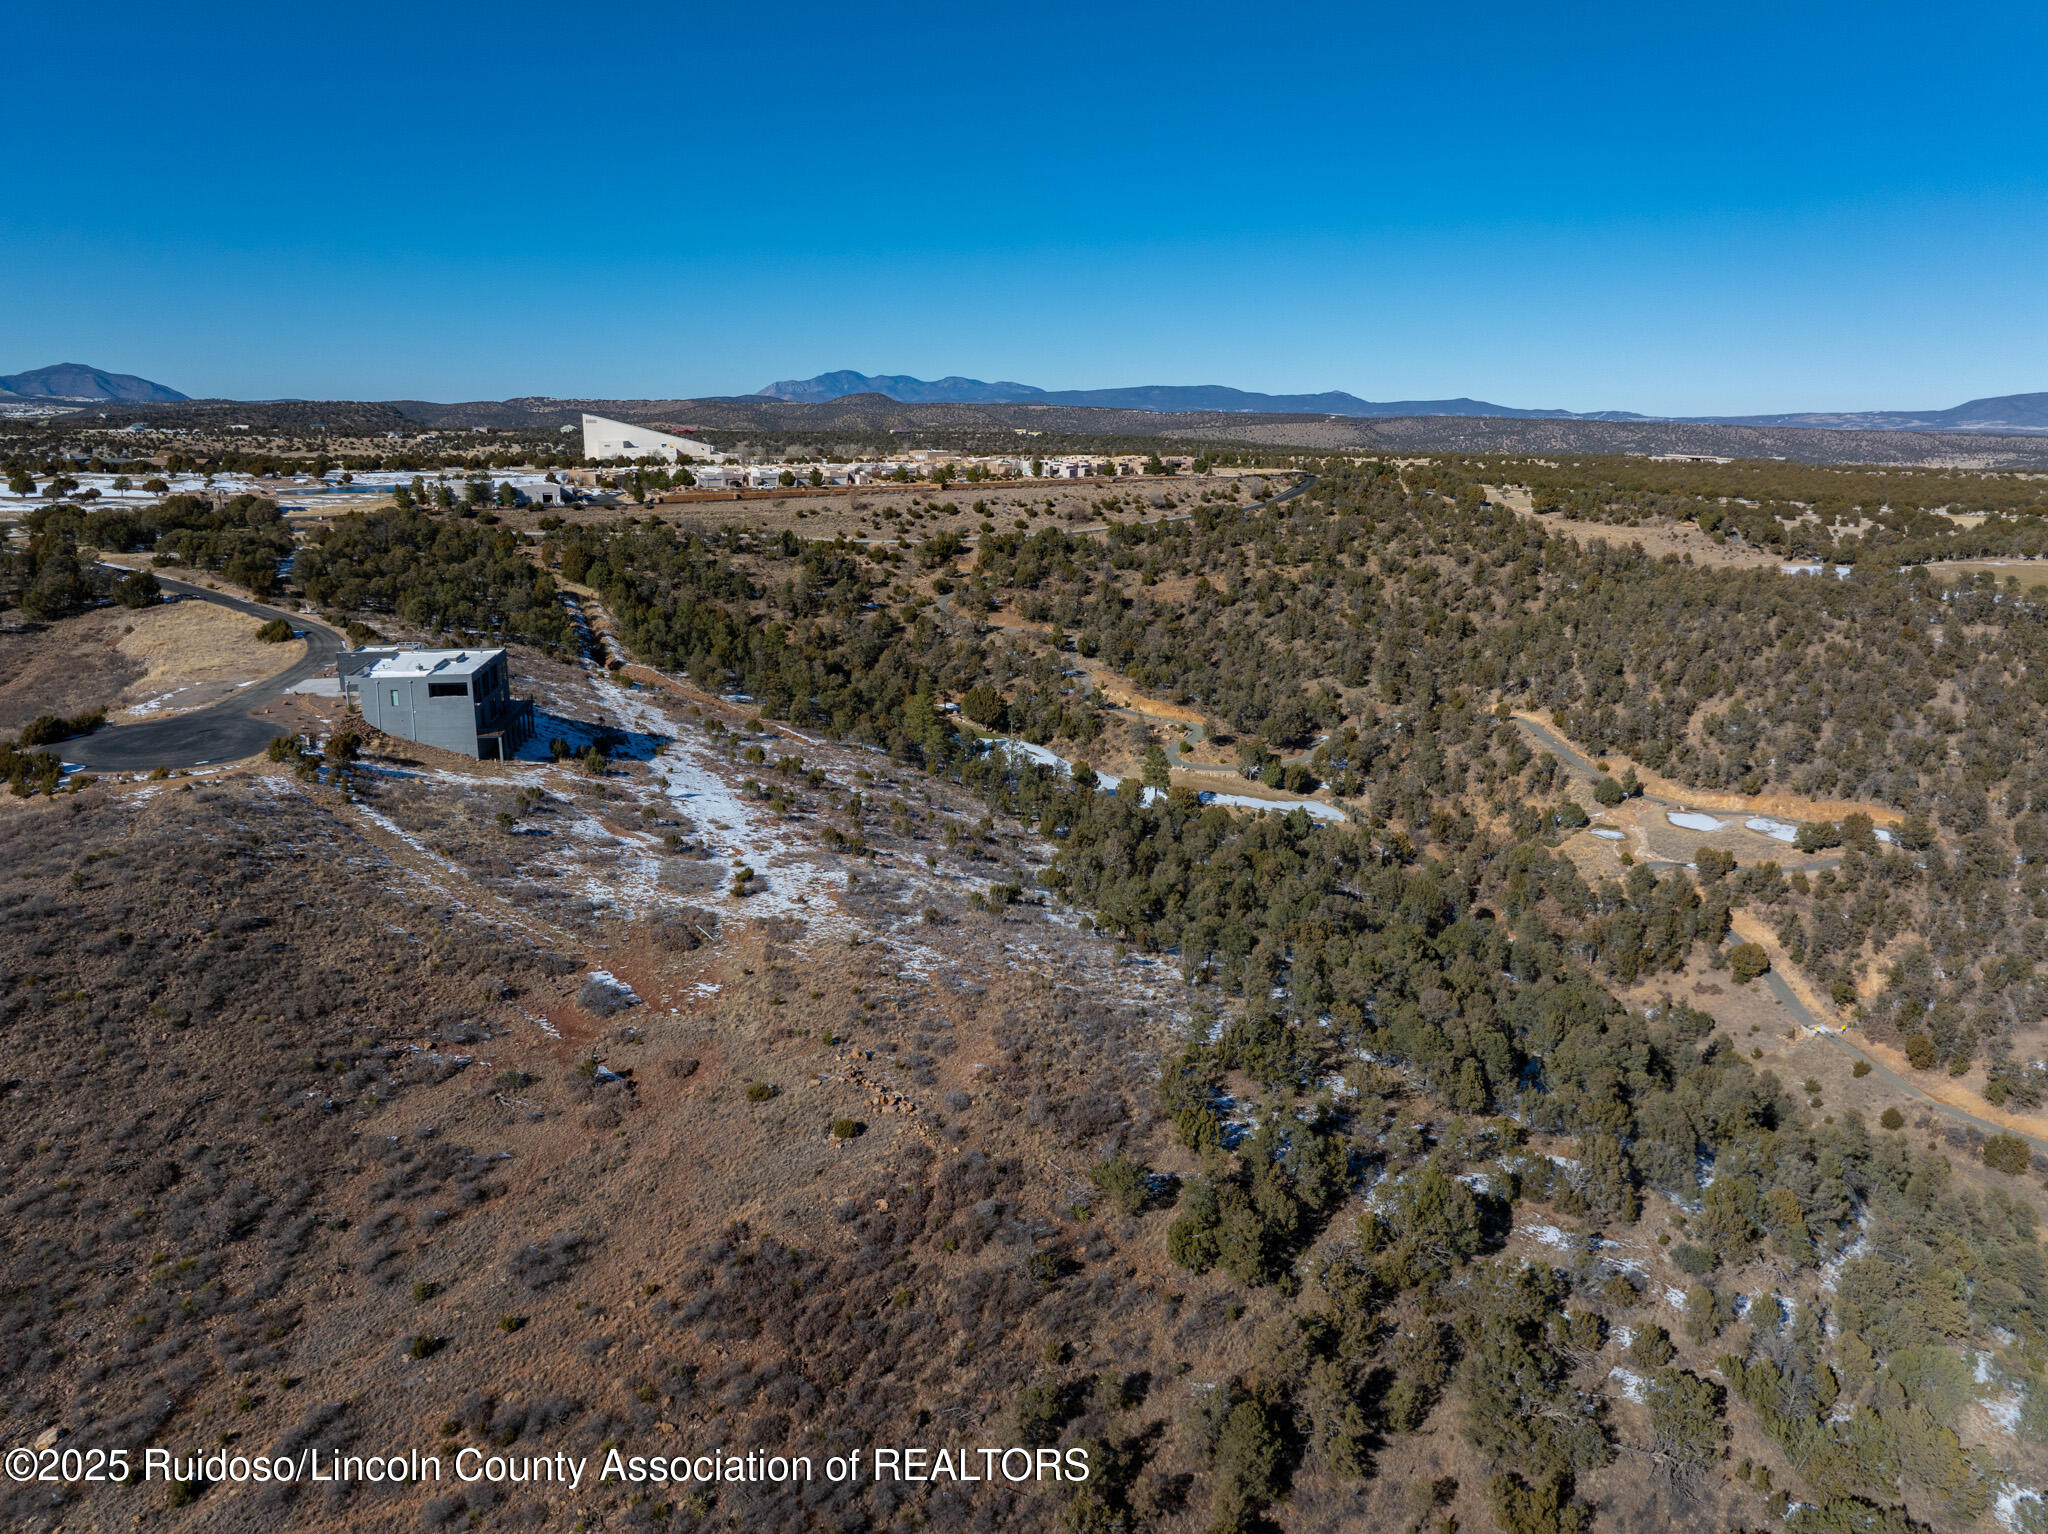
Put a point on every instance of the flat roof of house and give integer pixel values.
(434, 663)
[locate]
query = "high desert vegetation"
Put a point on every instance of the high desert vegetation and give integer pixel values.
(1428, 1190)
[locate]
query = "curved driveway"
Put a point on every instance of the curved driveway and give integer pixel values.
(223, 732)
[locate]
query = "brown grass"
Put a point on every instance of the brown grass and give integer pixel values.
(198, 651)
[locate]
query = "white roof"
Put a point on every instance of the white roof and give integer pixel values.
(434, 663)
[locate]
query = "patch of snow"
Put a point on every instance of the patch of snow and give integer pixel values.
(1777, 830)
(2004, 1412)
(1315, 808)
(2006, 1509)
(1632, 1384)
(1609, 836)
(1693, 820)
(1883, 835)
(606, 977)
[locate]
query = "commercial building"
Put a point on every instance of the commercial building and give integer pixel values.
(604, 439)
(457, 700)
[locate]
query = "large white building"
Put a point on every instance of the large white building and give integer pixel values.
(621, 439)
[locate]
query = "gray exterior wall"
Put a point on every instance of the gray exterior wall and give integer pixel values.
(429, 710)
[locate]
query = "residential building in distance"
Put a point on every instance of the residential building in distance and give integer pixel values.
(457, 700)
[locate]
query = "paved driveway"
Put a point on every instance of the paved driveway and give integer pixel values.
(224, 732)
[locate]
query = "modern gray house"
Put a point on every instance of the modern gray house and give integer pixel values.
(458, 700)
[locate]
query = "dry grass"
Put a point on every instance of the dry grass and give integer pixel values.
(196, 652)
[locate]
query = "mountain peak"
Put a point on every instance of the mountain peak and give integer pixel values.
(78, 381)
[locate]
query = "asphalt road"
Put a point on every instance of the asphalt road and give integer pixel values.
(224, 732)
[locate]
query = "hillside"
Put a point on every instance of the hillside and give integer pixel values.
(1422, 1109)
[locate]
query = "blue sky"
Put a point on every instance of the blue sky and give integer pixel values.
(1701, 209)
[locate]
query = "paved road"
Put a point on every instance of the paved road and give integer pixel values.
(1575, 761)
(1796, 1009)
(1799, 1012)
(225, 732)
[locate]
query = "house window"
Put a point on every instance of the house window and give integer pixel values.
(394, 697)
(447, 689)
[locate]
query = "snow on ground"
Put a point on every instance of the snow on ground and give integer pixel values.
(1693, 820)
(151, 705)
(1109, 782)
(1831, 1272)
(331, 492)
(626, 992)
(1777, 830)
(754, 835)
(2004, 1411)
(2008, 1512)
(1609, 836)
(1631, 1383)
(1314, 808)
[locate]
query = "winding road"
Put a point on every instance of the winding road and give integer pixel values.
(223, 732)
(1570, 758)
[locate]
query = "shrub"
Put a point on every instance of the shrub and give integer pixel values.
(1651, 1347)
(1042, 1410)
(276, 631)
(603, 997)
(1249, 1455)
(1545, 1508)
(46, 728)
(1127, 1184)
(1860, 1069)
(845, 1129)
(1696, 1260)
(425, 1345)
(2007, 1154)
(1920, 1052)
(1746, 961)
(759, 1091)
(1712, 864)
(1891, 1118)
(142, 589)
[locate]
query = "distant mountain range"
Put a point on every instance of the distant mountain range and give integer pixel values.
(76, 381)
(1999, 413)
(2008, 414)
(1159, 397)
(2002, 413)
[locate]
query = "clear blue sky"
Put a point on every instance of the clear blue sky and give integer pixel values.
(1723, 208)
